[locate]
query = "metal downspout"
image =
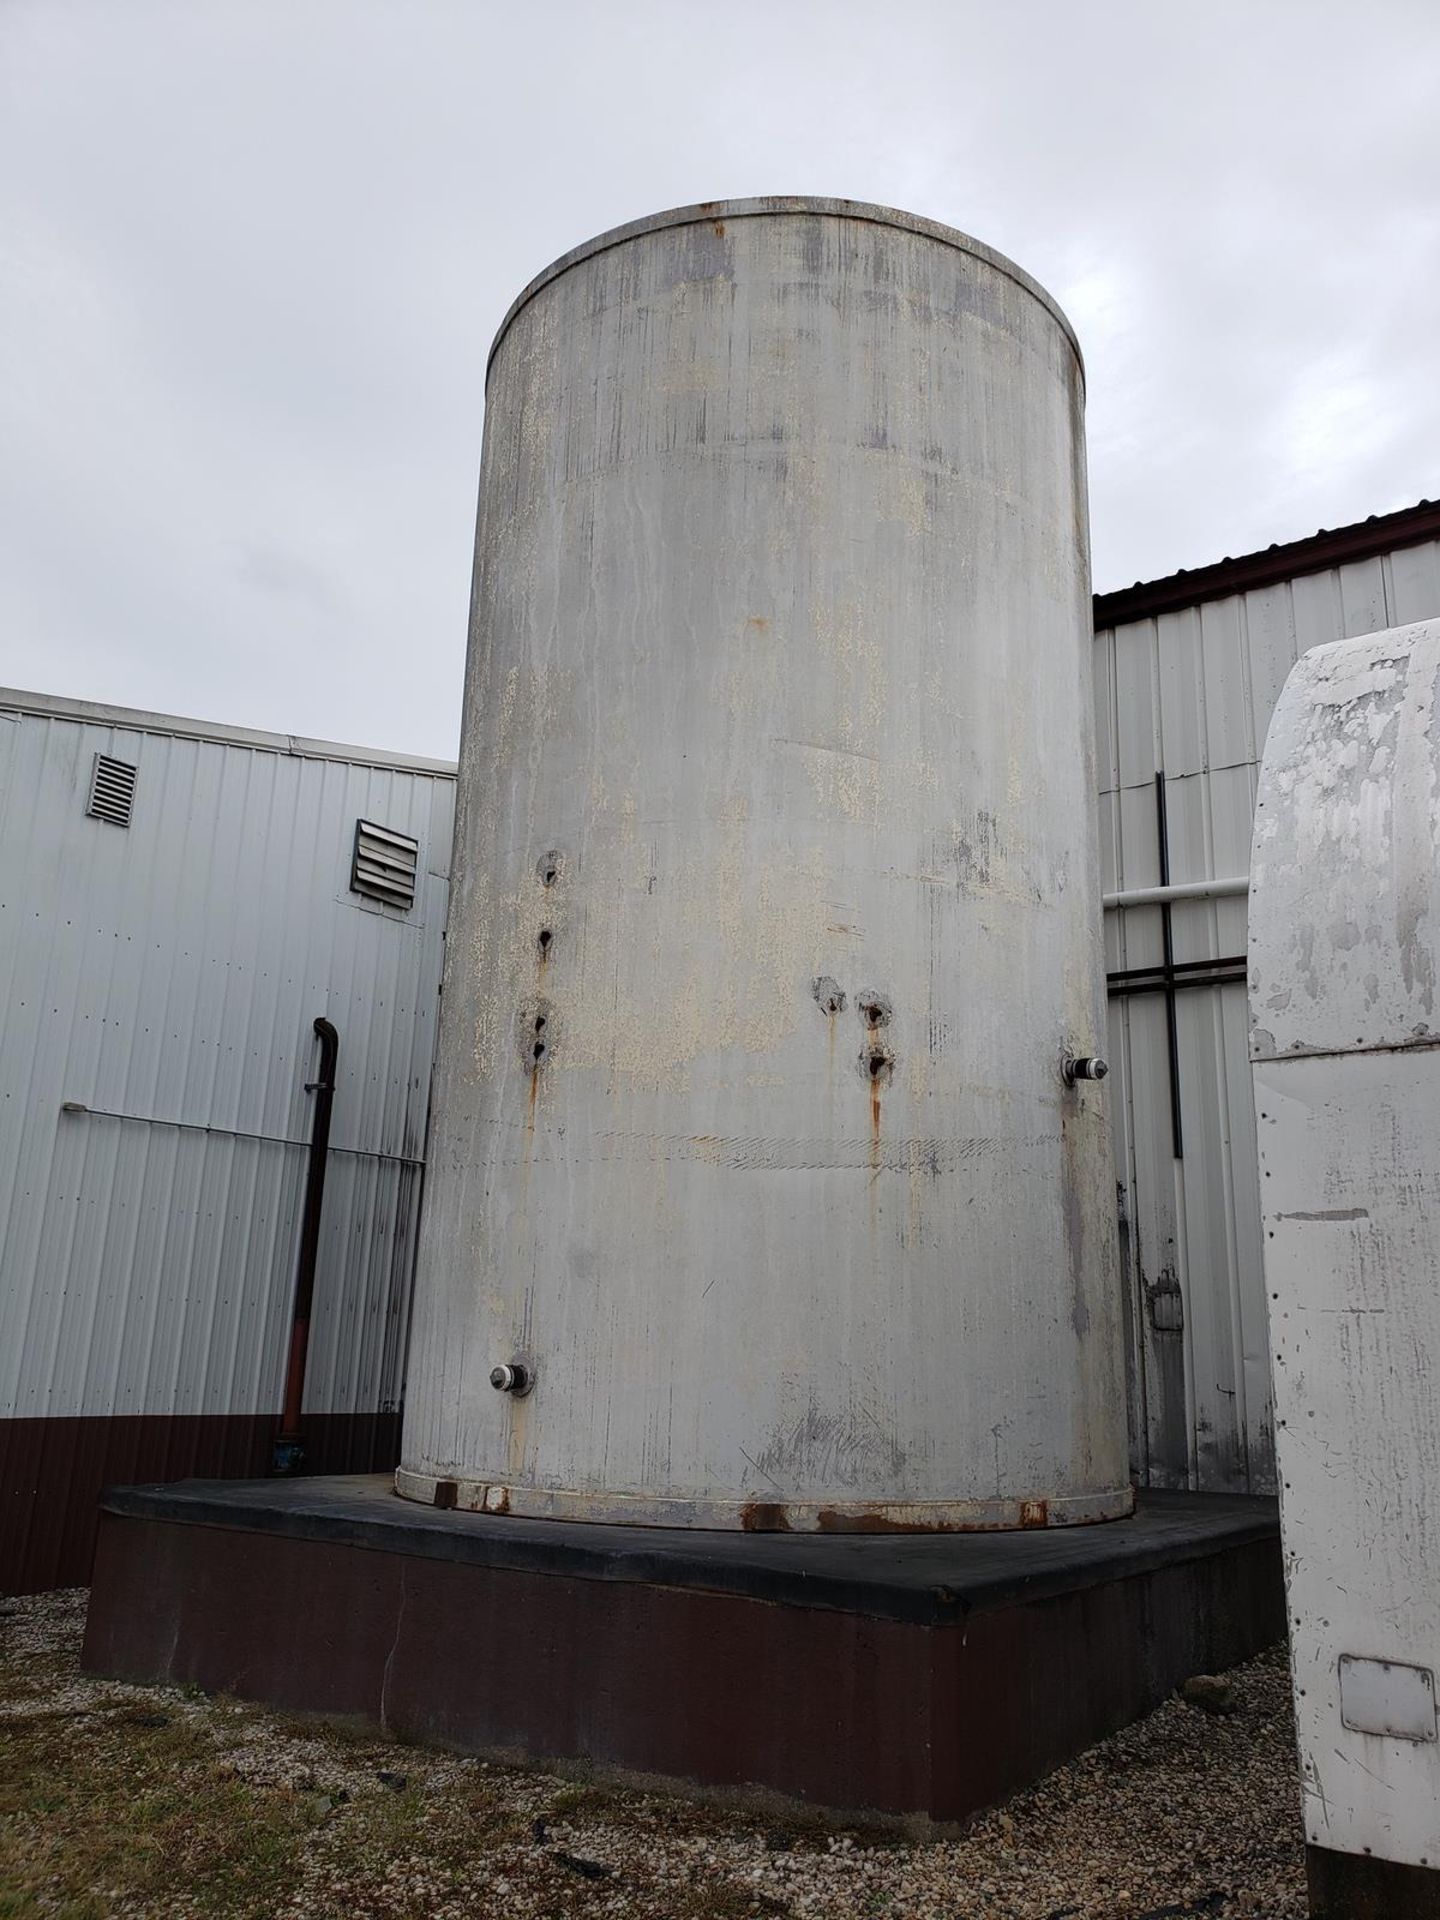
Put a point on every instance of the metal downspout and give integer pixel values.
(288, 1455)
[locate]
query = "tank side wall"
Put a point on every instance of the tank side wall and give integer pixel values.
(779, 676)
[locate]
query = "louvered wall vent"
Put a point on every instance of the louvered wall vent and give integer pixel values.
(385, 864)
(112, 791)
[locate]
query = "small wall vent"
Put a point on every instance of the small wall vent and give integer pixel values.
(112, 790)
(385, 864)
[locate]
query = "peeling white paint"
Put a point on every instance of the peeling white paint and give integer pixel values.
(1343, 941)
(1347, 842)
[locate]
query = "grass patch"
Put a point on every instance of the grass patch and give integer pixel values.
(128, 1812)
(171, 1804)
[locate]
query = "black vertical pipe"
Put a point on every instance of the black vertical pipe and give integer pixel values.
(289, 1450)
(1172, 1037)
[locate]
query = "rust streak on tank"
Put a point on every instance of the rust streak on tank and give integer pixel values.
(838, 1520)
(765, 1516)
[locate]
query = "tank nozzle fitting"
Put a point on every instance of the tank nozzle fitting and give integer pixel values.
(1086, 1066)
(514, 1378)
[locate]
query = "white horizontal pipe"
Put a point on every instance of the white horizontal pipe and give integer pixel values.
(1184, 890)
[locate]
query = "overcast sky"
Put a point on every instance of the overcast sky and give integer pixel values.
(252, 256)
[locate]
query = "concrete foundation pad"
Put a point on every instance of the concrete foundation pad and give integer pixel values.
(1357, 1886)
(903, 1674)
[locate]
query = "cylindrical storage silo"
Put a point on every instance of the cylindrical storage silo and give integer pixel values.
(755, 1176)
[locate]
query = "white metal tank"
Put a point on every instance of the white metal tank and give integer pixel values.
(1344, 958)
(756, 1180)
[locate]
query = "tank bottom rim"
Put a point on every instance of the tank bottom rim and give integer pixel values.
(992, 1515)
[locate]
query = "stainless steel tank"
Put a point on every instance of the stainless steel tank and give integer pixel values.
(757, 1181)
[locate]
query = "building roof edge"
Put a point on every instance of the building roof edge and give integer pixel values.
(1330, 547)
(96, 713)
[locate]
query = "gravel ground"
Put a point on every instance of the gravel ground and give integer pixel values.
(133, 1800)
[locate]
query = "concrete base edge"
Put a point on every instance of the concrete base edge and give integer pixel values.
(602, 1657)
(1360, 1886)
(435, 1489)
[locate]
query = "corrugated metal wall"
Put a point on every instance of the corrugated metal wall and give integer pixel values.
(165, 977)
(1188, 695)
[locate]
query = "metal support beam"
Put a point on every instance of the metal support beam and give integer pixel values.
(1172, 1036)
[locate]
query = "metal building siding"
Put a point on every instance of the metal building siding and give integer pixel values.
(1190, 692)
(170, 973)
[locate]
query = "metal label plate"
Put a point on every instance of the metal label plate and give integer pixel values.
(1387, 1697)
